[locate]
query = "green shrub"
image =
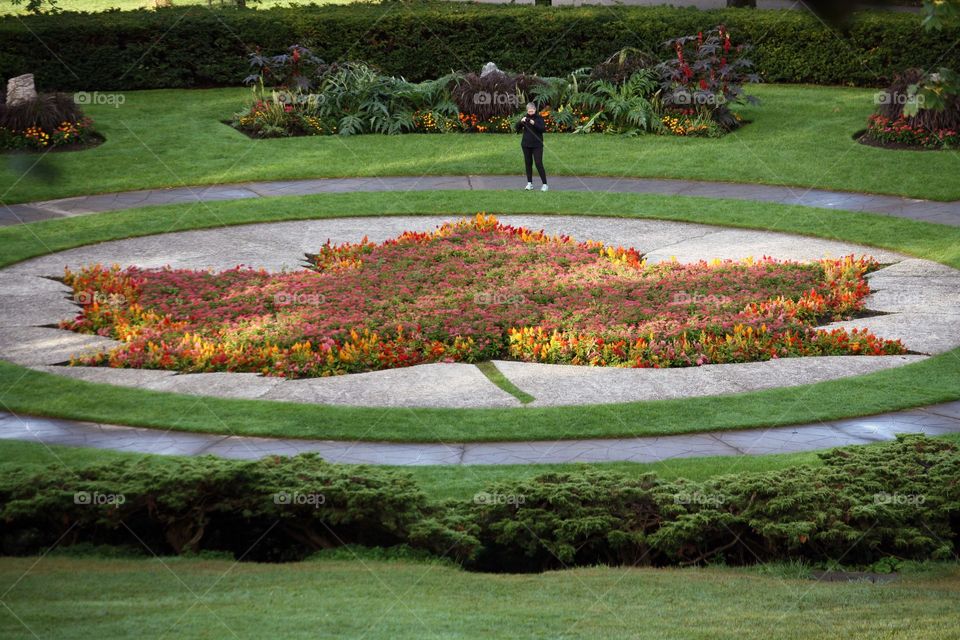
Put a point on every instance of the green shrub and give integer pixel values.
(272, 509)
(865, 503)
(198, 47)
(865, 506)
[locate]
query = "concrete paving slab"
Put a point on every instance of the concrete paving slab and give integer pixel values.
(915, 268)
(13, 284)
(340, 452)
(740, 244)
(928, 333)
(249, 386)
(789, 439)
(138, 378)
(596, 450)
(427, 385)
(560, 385)
(40, 345)
(947, 409)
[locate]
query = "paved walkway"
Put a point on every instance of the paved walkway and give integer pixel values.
(934, 420)
(926, 210)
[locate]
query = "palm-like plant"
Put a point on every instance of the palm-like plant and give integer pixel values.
(627, 108)
(560, 94)
(361, 100)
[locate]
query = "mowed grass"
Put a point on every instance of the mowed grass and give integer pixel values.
(93, 598)
(935, 380)
(800, 136)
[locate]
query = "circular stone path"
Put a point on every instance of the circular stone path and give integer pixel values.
(931, 421)
(926, 210)
(920, 301)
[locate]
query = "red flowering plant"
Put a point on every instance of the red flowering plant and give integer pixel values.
(295, 70)
(896, 124)
(905, 131)
(470, 291)
(707, 73)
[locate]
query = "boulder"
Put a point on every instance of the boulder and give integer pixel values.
(21, 89)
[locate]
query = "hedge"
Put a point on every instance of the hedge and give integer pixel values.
(203, 47)
(863, 505)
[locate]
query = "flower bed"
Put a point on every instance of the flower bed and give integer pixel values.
(902, 133)
(470, 291)
(68, 134)
(46, 122)
(296, 93)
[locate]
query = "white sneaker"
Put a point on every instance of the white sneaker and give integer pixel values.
(529, 187)
(544, 188)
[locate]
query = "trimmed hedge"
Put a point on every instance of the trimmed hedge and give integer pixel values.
(863, 505)
(201, 47)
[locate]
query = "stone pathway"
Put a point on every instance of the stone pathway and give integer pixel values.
(926, 210)
(932, 421)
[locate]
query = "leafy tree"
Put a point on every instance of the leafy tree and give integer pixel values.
(936, 89)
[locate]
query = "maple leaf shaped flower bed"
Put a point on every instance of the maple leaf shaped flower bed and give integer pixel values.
(469, 291)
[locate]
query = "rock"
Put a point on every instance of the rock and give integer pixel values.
(488, 69)
(21, 89)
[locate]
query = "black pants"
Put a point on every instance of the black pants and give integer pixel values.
(529, 155)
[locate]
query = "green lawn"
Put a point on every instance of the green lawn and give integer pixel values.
(78, 598)
(33, 392)
(801, 135)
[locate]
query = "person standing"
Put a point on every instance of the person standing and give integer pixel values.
(532, 126)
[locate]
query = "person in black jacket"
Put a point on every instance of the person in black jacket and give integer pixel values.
(532, 126)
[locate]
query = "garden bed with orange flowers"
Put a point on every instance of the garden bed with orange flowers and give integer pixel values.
(470, 291)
